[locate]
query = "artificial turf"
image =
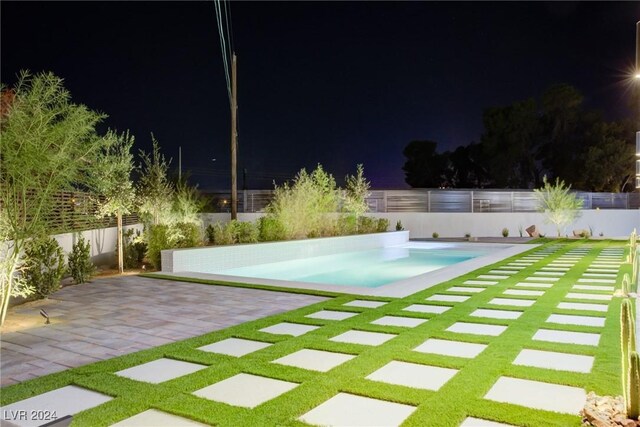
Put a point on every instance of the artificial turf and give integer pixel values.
(460, 397)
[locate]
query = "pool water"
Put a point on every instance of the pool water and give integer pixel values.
(369, 268)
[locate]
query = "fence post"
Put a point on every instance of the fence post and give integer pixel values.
(471, 196)
(429, 201)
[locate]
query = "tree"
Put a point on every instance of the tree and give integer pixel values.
(609, 159)
(355, 194)
(47, 144)
(111, 181)
(560, 206)
(154, 191)
(510, 142)
(424, 167)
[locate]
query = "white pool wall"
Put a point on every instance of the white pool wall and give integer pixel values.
(216, 258)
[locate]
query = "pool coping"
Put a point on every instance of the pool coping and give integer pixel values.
(397, 289)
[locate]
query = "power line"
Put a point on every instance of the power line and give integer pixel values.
(223, 44)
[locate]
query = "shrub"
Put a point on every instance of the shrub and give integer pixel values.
(367, 225)
(270, 229)
(209, 233)
(435, 235)
(505, 232)
(467, 235)
(186, 235)
(134, 248)
(224, 234)
(303, 208)
(346, 225)
(158, 240)
(44, 265)
(246, 232)
(383, 225)
(399, 226)
(560, 206)
(79, 261)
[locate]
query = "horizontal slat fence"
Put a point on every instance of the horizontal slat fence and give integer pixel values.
(424, 200)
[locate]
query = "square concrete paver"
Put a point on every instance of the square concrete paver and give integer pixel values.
(465, 289)
(476, 328)
(512, 267)
(160, 370)
(538, 395)
(512, 301)
(363, 337)
(413, 375)
(549, 273)
(504, 271)
(365, 303)
(479, 282)
(315, 360)
(598, 297)
(331, 315)
(345, 409)
(496, 314)
(155, 418)
(576, 320)
(552, 268)
(426, 308)
(492, 276)
(523, 292)
(245, 390)
(64, 401)
(567, 337)
(534, 285)
(479, 422)
(409, 322)
(593, 288)
(603, 270)
(447, 298)
(234, 347)
(450, 348)
(286, 328)
(605, 275)
(554, 360)
(590, 280)
(542, 279)
(583, 306)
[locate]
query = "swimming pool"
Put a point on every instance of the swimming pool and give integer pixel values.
(368, 268)
(380, 264)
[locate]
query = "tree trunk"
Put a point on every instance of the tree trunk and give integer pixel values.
(120, 255)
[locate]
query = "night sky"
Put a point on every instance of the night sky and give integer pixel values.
(334, 83)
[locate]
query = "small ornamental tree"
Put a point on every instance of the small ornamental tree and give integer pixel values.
(154, 191)
(560, 205)
(355, 194)
(47, 145)
(111, 178)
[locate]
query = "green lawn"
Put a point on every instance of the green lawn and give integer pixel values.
(458, 398)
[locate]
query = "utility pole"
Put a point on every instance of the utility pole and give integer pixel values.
(636, 75)
(234, 138)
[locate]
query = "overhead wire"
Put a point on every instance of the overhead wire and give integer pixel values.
(223, 44)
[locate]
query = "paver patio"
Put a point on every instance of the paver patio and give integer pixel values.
(115, 316)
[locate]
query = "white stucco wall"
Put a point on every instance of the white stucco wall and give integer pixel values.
(612, 223)
(102, 241)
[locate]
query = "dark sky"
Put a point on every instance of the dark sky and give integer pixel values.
(329, 82)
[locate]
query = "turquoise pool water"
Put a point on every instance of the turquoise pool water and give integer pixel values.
(370, 268)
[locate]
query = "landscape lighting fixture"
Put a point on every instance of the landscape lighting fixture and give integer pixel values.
(45, 315)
